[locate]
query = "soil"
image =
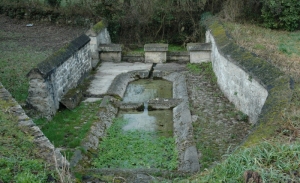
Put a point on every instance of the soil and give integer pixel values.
(42, 35)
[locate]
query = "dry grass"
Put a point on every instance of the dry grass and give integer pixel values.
(281, 48)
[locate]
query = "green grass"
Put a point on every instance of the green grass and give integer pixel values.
(205, 69)
(173, 47)
(18, 160)
(15, 62)
(275, 162)
(69, 127)
(135, 149)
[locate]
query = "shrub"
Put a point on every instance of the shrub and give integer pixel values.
(278, 14)
(54, 3)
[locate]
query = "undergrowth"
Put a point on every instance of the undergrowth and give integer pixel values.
(135, 149)
(69, 127)
(18, 160)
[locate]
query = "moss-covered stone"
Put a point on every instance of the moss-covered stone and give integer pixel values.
(99, 26)
(271, 78)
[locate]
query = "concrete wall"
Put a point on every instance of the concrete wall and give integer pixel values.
(59, 73)
(239, 87)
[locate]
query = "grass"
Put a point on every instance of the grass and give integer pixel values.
(135, 149)
(173, 47)
(281, 48)
(205, 69)
(18, 156)
(274, 162)
(68, 128)
(15, 64)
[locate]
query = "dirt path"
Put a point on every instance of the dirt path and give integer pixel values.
(43, 36)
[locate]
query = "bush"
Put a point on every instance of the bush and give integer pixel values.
(54, 3)
(278, 14)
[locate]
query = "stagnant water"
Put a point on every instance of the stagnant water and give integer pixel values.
(142, 90)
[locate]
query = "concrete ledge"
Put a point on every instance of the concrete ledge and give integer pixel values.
(156, 53)
(198, 47)
(156, 47)
(110, 52)
(199, 52)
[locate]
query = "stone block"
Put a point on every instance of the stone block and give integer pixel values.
(110, 52)
(156, 53)
(199, 52)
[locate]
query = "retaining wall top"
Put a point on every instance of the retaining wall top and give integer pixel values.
(156, 47)
(110, 47)
(46, 67)
(199, 46)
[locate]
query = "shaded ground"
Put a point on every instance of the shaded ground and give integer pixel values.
(218, 127)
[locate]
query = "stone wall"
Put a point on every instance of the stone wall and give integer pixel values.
(255, 86)
(45, 148)
(59, 73)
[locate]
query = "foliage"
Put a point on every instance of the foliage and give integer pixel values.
(280, 14)
(204, 68)
(54, 3)
(18, 161)
(68, 128)
(274, 162)
(135, 149)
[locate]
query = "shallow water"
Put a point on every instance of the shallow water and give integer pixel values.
(144, 89)
(160, 121)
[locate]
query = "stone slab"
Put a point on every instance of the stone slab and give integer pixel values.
(107, 72)
(110, 48)
(198, 47)
(200, 56)
(156, 57)
(92, 99)
(156, 47)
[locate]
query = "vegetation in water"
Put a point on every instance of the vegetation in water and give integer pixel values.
(18, 155)
(69, 127)
(135, 149)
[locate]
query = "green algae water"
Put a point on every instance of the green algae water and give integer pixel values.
(141, 139)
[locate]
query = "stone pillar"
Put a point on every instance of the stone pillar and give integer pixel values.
(110, 52)
(98, 35)
(156, 53)
(199, 52)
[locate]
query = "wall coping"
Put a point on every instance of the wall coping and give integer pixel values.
(278, 85)
(110, 47)
(46, 67)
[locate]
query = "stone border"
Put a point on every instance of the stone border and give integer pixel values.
(46, 149)
(278, 85)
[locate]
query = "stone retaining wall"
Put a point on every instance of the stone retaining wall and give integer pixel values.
(255, 86)
(59, 73)
(46, 149)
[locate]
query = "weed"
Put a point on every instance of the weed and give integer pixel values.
(135, 149)
(173, 47)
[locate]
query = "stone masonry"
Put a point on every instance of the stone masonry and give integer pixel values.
(59, 73)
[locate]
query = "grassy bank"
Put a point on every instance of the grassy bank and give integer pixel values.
(68, 128)
(18, 157)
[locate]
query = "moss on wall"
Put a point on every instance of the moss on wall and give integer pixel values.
(99, 26)
(275, 82)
